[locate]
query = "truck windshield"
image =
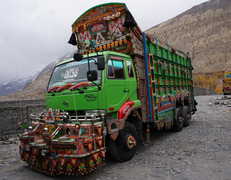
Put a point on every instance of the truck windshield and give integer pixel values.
(73, 72)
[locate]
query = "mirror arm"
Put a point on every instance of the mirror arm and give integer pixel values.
(99, 88)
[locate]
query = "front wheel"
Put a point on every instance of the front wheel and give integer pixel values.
(124, 147)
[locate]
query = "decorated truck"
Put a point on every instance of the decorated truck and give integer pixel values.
(226, 79)
(120, 84)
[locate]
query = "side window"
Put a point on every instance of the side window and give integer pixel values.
(129, 67)
(115, 69)
(110, 72)
(119, 69)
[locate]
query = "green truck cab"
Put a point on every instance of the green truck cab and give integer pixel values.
(118, 84)
(113, 86)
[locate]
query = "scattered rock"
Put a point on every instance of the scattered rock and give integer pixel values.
(225, 100)
(221, 102)
(228, 97)
(13, 141)
(177, 170)
(4, 138)
(220, 98)
(13, 173)
(216, 102)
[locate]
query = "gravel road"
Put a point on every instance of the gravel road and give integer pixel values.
(200, 151)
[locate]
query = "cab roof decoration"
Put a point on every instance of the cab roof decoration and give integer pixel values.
(109, 27)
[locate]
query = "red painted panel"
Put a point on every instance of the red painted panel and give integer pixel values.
(124, 109)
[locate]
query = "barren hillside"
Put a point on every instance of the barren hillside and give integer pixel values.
(204, 31)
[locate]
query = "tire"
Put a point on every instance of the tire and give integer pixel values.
(178, 121)
(120, 149)
(186, 115)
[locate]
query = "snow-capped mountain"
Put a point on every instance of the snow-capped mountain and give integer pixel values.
(14, 85)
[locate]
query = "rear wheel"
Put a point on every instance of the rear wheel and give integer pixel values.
(124, 147)
(178, 121)
(186, 115)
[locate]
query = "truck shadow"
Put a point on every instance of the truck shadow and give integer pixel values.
(156, 137)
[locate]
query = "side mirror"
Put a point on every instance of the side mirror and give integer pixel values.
(92, 75)
(78, 56)
(100, 63)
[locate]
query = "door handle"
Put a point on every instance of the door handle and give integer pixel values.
(126, 90)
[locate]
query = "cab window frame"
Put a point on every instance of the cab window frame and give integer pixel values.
(118, 59)
(132, 70)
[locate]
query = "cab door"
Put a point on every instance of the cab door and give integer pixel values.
(117, 88)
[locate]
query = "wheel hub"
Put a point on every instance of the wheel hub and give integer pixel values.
(181, 119)
(131, 142)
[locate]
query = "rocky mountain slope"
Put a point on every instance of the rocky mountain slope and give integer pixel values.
(204, 31)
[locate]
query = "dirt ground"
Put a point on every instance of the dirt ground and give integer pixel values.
(200, 151)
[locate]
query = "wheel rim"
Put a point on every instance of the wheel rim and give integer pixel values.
(130, 142)
(181, 120)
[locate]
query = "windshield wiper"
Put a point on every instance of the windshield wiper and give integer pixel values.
(62, 88)
(83, 85)
(53, 89)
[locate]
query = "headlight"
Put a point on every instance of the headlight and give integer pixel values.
(77, 126)
(43, 152)
(95, 112)
(66, 116)
(92, 113)
(103, 112)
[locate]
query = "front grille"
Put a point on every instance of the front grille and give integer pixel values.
(79, 113)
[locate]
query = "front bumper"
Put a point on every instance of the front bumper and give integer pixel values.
(66, 164)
